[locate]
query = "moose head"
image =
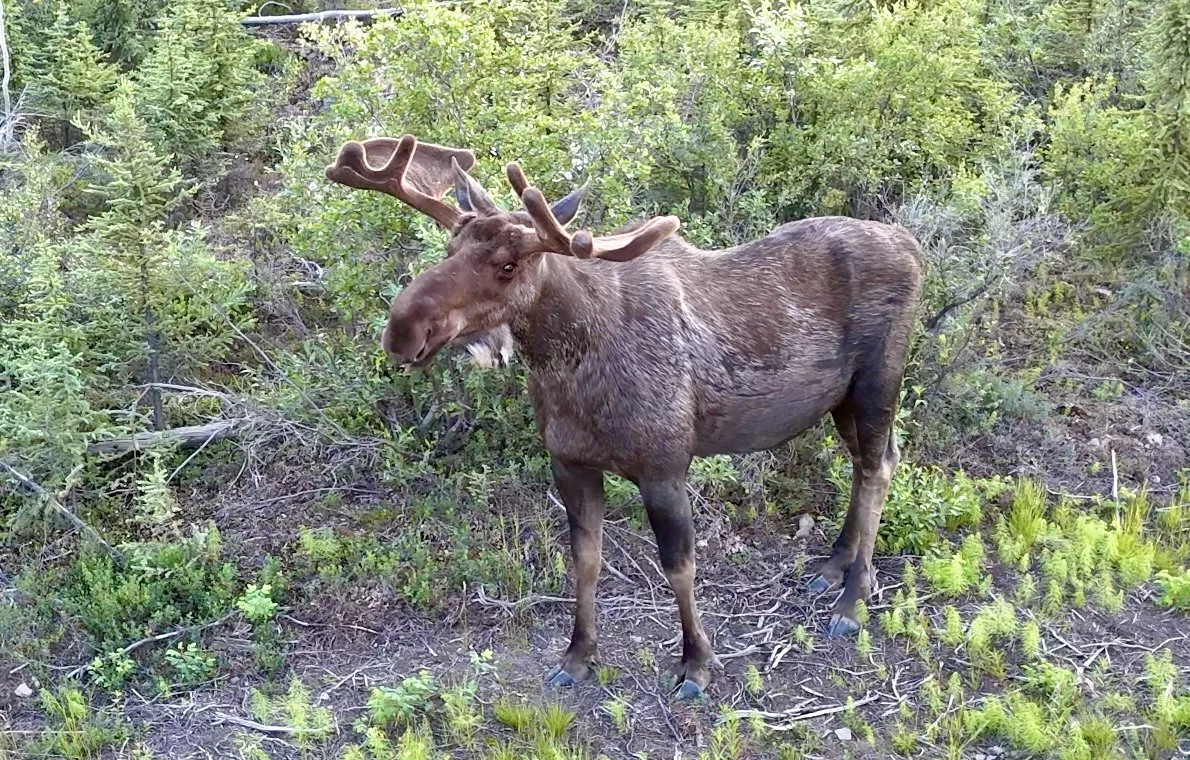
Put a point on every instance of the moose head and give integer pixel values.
(491, 271)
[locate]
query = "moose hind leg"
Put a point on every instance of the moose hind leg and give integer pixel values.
(669, 513)
(878, 459)
(581, 489)
(834, 569)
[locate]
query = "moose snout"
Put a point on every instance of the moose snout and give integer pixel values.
(409, 341)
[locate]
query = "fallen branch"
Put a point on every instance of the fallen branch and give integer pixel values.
(221, 718)
(194, 435)
(521, 604)
(5, 75)
(175, 388)
(161, 637)
(304, 624)
(790, 720)
(301, 18)
(71, 517)
(308, 286)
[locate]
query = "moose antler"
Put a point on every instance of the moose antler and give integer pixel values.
(416, 173)
(582, 244)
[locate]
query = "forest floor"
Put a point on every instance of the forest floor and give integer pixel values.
(795, 692)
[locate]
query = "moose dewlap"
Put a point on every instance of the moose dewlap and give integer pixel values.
(644, 352)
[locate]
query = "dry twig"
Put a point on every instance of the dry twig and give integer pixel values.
(27, 484)
(221, 718)
(791, 719)
(520, 605)
(160, 637)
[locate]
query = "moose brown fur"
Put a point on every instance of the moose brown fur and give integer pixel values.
(644, 352)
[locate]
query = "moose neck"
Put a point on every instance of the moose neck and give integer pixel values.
(565, 319)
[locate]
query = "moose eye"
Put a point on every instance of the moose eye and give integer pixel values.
(508, 268)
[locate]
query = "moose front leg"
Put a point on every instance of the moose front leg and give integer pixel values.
(669, 513)
(582, 494)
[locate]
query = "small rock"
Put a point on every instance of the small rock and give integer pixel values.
(733, 544)
(979, 756)
(1094, 442)
(23, 690)
(995, 751)
(1154, 439)
(805, 524)
(843, 733)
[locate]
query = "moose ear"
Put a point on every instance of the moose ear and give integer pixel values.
(565, 208)
(470, 195)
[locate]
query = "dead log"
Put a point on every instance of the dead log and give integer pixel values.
(302, 18)
(194, 435)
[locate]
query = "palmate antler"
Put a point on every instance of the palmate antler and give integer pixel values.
(582, 244)
(417, 173)
(420, 173)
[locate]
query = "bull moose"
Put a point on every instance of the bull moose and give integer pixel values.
(644, 352)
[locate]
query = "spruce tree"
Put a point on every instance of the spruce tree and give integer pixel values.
(1169, 97)
(69, 75)
(196, 81)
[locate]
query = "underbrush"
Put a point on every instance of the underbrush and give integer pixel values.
(1087, 557)
(433, 550)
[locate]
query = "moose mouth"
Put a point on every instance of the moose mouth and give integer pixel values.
(487, 348)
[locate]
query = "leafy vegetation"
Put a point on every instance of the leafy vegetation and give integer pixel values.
(173, 258)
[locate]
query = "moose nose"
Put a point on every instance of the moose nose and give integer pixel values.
(407, 341)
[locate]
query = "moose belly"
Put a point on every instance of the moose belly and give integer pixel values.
(733, 423)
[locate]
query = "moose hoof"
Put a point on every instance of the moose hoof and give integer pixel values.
(820, 584)
(841, 626)
(559, 677)
(688, 690)
(692, 680)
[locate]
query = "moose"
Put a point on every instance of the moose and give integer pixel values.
(643, 352)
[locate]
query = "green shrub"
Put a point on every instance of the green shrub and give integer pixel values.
(192, 665)
(128, 300)
(1175, 589)
(923, 503)
(163, 586)
(74, 730)
(67, 73)
(402, 703)
(195, 85)
(257, 603)
(1096, 159)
